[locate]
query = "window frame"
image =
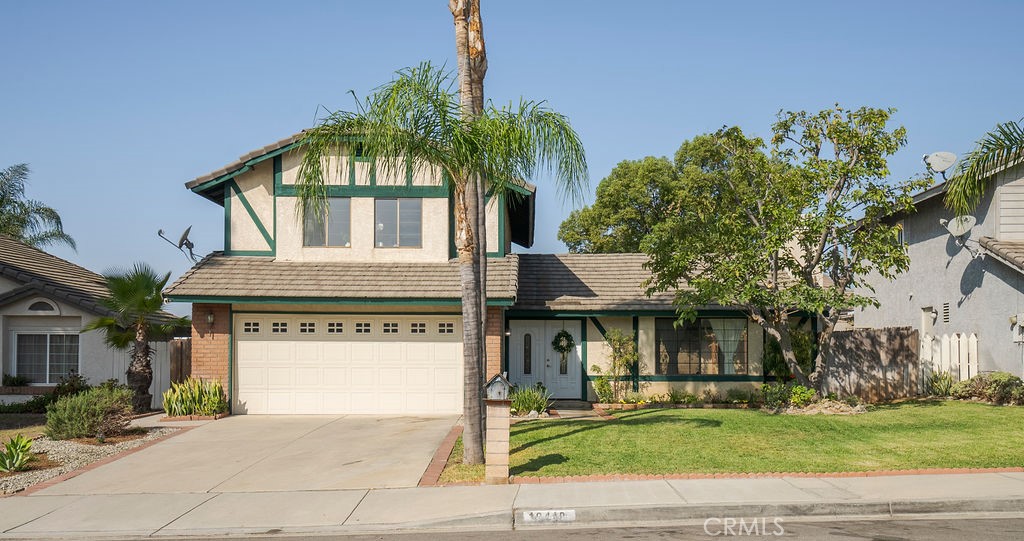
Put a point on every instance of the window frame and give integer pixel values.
(703, 346)
(398, 223)
(48, 333)
(325, 223)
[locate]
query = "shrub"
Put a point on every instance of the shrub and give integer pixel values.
(737, 396)
(15, 381)
(603, 390)
(968, 388)
(940, 384)
(1018, 396)
(623, 359)
(776, 395)
(803, 348)
(710, 396)
(16, 454)
(69, 385)
(527, 399)
(98, 413)
(634, 397)
(678, 396)
(195, 397)
(800, 396)
(1000, 387)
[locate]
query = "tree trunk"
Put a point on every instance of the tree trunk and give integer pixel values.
(778, 328)
(477, 70)
(140, 372)
(472, 434)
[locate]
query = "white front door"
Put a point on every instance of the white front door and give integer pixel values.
(533, 360)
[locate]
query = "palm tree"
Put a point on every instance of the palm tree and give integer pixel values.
(417, 116)
(27, 220)
(999, 148)
(136, 298)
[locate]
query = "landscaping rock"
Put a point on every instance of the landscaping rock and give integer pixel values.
(532, 415)
(827, 407)
(71, 456)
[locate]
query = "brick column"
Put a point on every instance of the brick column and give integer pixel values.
(497, 442)
(494, 336)
(210, 345)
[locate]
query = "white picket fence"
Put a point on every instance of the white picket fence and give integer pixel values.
(955, 353)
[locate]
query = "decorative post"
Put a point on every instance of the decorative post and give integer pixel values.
(496, 445)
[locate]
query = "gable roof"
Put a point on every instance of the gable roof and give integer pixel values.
(254, 278)
(587, 282)
(1008, 251)
(46, 274)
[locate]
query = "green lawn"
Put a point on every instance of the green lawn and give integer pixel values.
(912, 435)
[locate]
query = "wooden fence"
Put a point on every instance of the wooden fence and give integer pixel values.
(956, 354)
(180, 359)
(874, 364)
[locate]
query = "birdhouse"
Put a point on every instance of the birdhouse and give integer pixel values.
(498, 388)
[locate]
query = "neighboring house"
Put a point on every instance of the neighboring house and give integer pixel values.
(45, 302)
(947, 290)
(359, 312)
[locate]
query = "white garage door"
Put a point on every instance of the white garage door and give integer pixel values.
(347, 364)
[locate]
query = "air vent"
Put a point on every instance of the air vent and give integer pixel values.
(945, 312)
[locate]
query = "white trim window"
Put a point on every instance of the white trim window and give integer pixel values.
(399, 223)
(45, 357)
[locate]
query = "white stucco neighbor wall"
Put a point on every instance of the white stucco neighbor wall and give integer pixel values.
(981, 293)
(96, 362)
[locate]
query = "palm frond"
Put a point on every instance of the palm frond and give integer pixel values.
(999, 148)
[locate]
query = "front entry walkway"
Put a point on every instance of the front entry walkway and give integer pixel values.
(274, 453)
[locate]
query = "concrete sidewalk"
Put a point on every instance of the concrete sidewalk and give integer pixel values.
(592, 504)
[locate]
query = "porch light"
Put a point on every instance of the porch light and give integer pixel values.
(209, 319)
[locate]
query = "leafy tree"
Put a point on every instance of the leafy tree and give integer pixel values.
(418, 116)
(796, 229)
(27, 220)
(630, 201)
(999, 148)
(136, 299)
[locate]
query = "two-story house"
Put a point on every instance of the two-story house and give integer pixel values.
(359, 312)
(974, 284)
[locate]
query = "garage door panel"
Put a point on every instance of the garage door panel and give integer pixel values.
(318, 372)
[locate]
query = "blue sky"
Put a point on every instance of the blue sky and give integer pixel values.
(116, 104)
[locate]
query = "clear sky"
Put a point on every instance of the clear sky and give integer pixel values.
(115, 105)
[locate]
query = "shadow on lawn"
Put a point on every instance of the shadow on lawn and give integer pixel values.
(565, 429)
(923, 403)
(535, 464)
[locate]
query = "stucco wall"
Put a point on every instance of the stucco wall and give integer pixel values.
(982, 293)
(258, 188)
(97, 362)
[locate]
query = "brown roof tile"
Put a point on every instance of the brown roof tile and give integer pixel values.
(586, 282)
(1009, 251)
(235, 276)
(49, 275)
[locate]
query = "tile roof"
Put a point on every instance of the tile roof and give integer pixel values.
(586, 282)
(218, 275)
(240, 162)
(45, 274)
(1009, 251)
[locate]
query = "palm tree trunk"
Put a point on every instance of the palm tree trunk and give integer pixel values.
(140, 372)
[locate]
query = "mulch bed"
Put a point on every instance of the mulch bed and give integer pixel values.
(40, 461)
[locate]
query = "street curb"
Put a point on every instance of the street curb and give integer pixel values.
(647, 515)
(521, 480)
(432, 475)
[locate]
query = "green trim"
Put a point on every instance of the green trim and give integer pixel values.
(636, 348)
(452, 250)
(690, 377)
(231, 359)
(247, 166)
(322, 300)
(600, 328)
(335, 190)
(583, 357)
(252, 214)
(227, 221)
(553, 314)
(296, 312)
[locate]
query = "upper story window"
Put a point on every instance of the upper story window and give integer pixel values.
(399, 223)
(332, 229)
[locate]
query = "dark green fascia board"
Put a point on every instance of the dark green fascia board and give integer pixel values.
(554, 314)
(231, 358)
(299, 313)
(687, 377)
(252, 215)
(247, 166)
(250, 253)
(583, 358)
(636, 349)
(215, 299)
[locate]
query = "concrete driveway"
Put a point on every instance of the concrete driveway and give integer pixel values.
(274, 453)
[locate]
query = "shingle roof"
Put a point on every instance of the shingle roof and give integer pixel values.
(1010, 252)
(245, 277)
(586, 282)
(45, 274)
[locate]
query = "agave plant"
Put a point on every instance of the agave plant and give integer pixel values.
(16, 454)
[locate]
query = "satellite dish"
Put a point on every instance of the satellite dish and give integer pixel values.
(184, 238)
(959, 226)
(940, 162)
